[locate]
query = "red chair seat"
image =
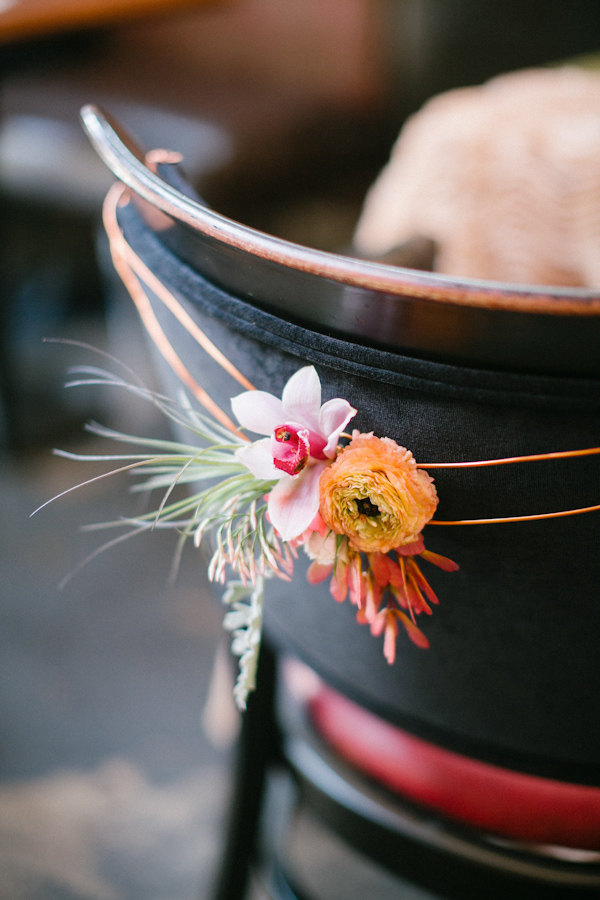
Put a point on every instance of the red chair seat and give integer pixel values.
(495, 800)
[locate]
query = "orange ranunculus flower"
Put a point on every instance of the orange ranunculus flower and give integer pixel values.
(375, 494)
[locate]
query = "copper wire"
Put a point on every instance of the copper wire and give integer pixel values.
(536, 457)
(133, 270)
(554, 515)
(502, 461)
(146, 312)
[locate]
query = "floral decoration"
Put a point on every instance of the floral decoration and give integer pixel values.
(356, 505)
(302, 441)
(375, 495)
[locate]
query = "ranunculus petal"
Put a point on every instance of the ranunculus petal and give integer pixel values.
(258, 458)
(376, 473)
(294, 502)
(333, 418)
(301, 398)
(258, 411)
(319, 525)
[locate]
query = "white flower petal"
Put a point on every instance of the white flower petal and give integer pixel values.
(302, 398)
(258, 411)
(294, 502)
(333, 418)
(258, 458)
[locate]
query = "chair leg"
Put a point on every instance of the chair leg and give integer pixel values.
(257, 748)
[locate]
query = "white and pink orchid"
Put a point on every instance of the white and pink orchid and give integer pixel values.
(302, 440)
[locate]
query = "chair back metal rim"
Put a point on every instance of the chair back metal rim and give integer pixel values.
(528, 329)
(122, 156)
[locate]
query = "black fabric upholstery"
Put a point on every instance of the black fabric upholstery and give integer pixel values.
(513, 672)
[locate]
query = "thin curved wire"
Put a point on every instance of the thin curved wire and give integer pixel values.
(554, 515)
(121, 254)
(131, 269)
(506, 460)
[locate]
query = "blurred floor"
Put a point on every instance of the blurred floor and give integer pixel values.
(109, 787)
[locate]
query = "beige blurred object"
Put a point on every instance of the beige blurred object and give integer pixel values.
(505, 178)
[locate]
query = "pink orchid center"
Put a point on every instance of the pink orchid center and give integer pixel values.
(290, 447)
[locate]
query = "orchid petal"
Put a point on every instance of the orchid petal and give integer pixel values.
(333, 418)
(294, 502)
(258, 458)
(301, 398)
(258, 411)
(319, 525)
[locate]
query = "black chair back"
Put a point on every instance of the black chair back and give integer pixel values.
(455, 370)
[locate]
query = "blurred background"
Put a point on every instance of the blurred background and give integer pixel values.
(285, 111)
